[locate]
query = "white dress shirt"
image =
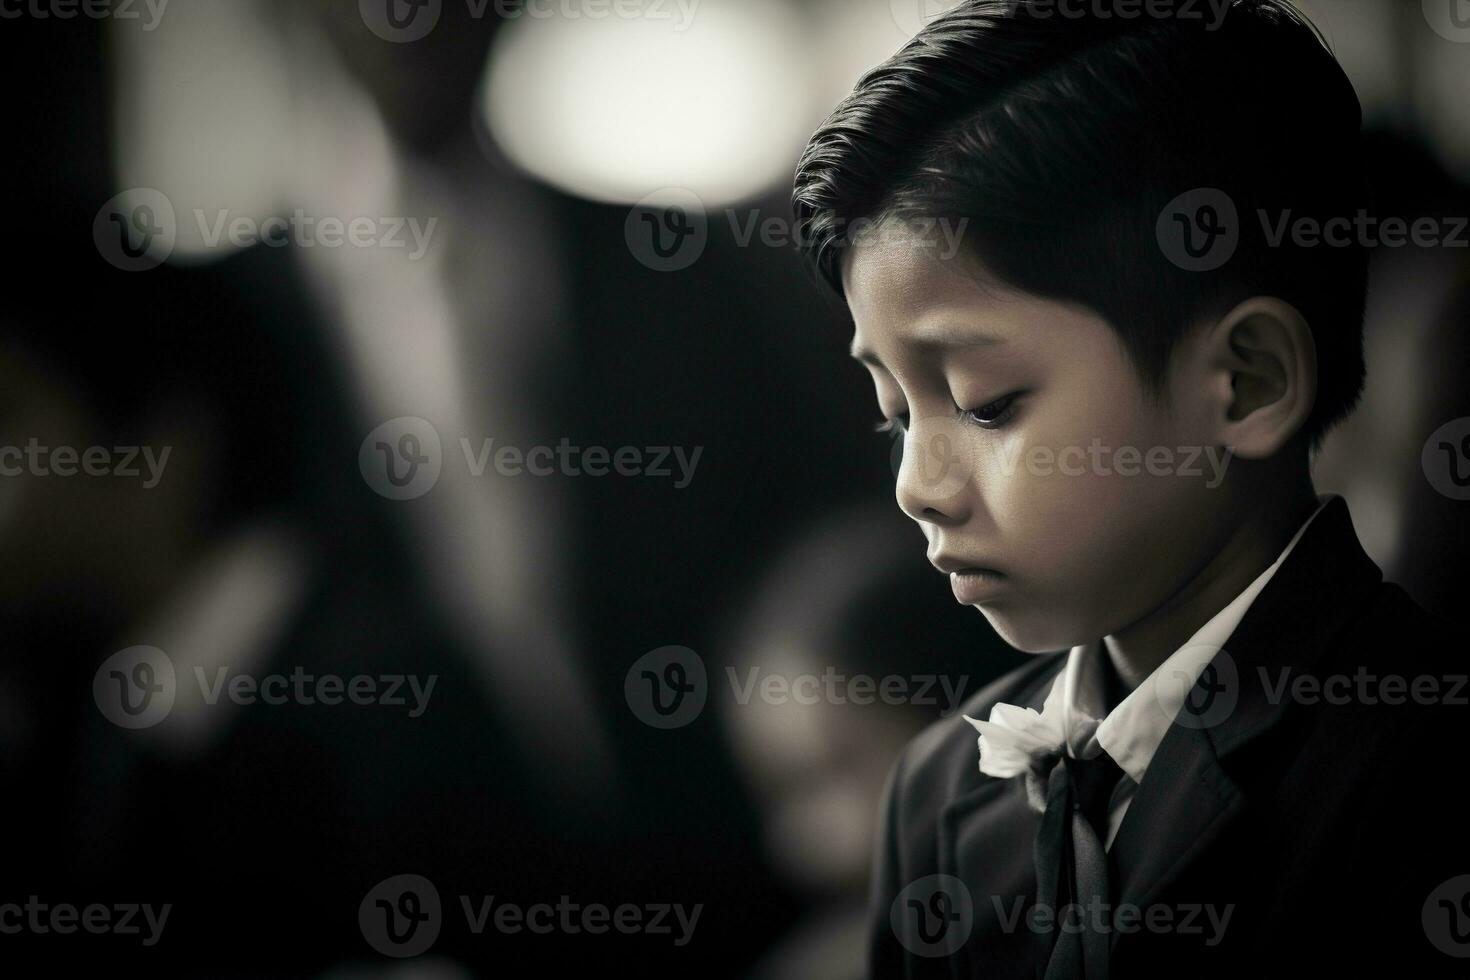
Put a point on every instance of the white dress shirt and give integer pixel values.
(1132, 731)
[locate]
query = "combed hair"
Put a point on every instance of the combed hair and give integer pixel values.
(1058, 140)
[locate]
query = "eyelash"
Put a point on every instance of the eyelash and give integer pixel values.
(1002, 415)
(999, 416)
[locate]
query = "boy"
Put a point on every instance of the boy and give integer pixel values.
(1109, 398)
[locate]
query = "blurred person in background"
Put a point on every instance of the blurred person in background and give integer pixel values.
(867, 653)
(528, 320)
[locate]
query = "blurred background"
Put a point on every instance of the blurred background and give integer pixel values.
(303, 298)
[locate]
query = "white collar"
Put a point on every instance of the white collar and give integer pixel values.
(1132, 731)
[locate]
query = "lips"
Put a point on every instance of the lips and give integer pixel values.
(975, 585)
(972, 581)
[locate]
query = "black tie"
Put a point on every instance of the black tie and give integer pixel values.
(1072, 867)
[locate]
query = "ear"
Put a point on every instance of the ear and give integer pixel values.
(1263, 358)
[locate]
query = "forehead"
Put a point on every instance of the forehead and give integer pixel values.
(898, 271)
(907, 298)
(904, 291)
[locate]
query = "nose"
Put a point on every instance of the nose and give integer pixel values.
(933, 480)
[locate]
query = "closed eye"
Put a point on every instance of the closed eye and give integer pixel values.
(993, 415)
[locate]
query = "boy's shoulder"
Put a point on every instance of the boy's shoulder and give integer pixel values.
(942, 762)
(1386, 642)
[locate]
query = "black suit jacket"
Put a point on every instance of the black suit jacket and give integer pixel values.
(1328, 828)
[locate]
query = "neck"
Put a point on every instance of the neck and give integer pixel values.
(1137, 650)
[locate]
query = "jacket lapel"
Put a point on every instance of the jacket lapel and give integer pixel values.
(1189, 795)
(986, 839)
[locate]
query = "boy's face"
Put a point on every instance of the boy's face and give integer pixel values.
(1034, 456)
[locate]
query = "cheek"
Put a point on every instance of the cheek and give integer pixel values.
(1065, 485)
(1084, 521)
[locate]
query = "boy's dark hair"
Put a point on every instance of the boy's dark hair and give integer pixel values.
(1060, 131)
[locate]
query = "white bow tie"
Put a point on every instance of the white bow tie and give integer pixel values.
(1023, 741)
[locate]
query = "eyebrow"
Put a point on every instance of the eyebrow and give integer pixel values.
(937, 342)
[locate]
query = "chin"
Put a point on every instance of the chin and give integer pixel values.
(1030, 631)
